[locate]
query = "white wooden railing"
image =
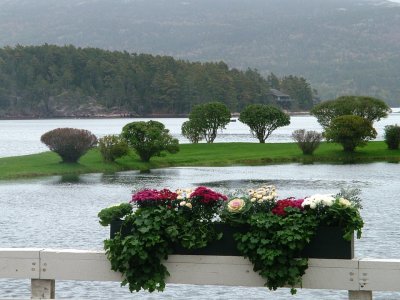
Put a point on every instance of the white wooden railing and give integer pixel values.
(43, 266)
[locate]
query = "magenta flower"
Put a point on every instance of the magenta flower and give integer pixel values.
(280, 206)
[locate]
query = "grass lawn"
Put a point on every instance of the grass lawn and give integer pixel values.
(218, 154)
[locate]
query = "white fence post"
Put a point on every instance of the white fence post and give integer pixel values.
(43, 289)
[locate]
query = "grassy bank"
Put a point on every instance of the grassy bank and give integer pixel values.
(219, 154)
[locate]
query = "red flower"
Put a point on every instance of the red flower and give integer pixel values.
(166, 194)
(145, 195)
(280, 206)
(207, 196)
(153, 197)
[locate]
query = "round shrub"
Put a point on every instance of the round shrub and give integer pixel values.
(263, 120)
(308, 141)
(207, 118)
(69, 143)
(112, 147)
(392, 136)
(350, 131)
(149, 139)
(191, 132)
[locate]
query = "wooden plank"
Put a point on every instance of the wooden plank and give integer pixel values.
(237, 271)
(339, 274)
(19, 263)
(209, 270)
(375, 263)
(379, 274)
(43, 289)
(66, 264)
(76, 265)
(212, 270)
(360, 295)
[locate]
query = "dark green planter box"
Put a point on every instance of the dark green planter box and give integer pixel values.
(328, 243)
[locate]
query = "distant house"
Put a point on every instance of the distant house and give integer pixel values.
(281, 99)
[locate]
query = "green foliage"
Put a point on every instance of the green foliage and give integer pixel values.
(272, 234)
(308, 141)
(112, 147)
(277, 232)
(348, 218)
(299, 89)
(352, 194)
(263, 120)
(69, 143)
(392, 136)
(139, 255)
(273, 244)
(113, 213)
(153, 229)
(191, 132)
(369, 108)
(149, 139)
(68, 81)
(350, 131)
(208, 118)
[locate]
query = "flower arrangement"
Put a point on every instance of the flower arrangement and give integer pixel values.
(271, 233)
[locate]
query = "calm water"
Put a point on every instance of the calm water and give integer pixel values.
(19, 137)
(61, 212)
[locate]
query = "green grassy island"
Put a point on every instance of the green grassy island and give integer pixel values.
(217, 154)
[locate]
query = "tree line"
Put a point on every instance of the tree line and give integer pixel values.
(48, 81)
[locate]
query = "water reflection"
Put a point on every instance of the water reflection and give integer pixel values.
(70, 178)
(298, 184)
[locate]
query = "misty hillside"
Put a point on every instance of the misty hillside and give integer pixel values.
(341, 47)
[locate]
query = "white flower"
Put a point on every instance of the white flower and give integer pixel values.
(327, 202)
(315, 200)
(344, 202)
(182, 203)
(189, 205)
(115, 204)
(253, 200)
(179, 197)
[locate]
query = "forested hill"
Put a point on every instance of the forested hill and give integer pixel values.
(53, 81)
(341, 46)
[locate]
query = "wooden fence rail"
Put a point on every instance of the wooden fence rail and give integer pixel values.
(43, 266)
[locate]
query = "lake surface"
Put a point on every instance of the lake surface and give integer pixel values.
(61, 212)
(20, 137)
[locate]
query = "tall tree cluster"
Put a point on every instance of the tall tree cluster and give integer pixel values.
(297, 88)
(44, 80)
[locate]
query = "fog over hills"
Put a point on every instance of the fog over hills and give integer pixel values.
(340, 46)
